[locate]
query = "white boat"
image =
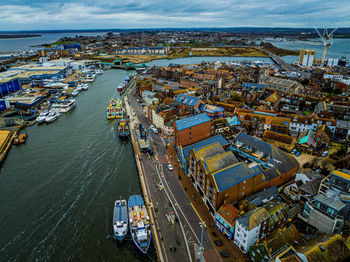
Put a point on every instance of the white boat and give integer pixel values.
(79, 87)
(99, 71)
(52, 116)
(64, 106)
(85, 86)
(75, 92)
(41, 118)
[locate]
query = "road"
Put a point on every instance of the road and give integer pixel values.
(187, 215)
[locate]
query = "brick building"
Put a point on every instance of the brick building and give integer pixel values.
(192, 129)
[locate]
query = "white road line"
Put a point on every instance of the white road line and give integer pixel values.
(169, 190)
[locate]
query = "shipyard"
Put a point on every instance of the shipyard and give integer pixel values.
(174, 133)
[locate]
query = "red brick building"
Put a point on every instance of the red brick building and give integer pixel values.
(192, 129)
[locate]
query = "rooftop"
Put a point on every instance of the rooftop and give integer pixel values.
(331, 202)
(234, 175)
(253, 218)
(219, 161)
(192, 121)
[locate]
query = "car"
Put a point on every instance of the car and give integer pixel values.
(293, 151)
(324, 153)
(138, 101)
(298, 153)
(170, 167)
(155, 130)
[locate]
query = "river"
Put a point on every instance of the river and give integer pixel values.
(57, 191)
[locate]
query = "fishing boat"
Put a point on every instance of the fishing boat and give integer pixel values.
(120, 220)
(63, 106)
(139, 223)
(123, 128)
(41, 118)
(52, 116)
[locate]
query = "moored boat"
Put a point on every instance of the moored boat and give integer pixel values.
(139, 223)
(63, 106)
(41, 118)
(52, 116)
(120, 220)
(123, 128)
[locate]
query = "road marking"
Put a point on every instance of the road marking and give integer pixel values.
(174, 199)
(197, 213)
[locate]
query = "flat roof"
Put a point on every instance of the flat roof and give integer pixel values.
(192, 121)
(343, 173)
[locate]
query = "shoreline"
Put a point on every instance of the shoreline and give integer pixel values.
(4, 37)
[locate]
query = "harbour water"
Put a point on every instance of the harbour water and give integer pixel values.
(58, 190)
(22, 44)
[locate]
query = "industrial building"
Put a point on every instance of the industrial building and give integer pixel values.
(307, 57)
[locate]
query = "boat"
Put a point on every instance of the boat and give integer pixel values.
(20, 139)
(85, 86)
(52, 116)
(139, 223)
(75, 92)
(41, 118)
(79, 87)
(63, 106)
(120, 87)
(115, 109)
(99, 71)
(120, 220)
(123, 128)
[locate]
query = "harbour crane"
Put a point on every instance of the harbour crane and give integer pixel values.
(326, 38)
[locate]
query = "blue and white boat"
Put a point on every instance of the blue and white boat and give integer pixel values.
(139, 223)
(120, 220)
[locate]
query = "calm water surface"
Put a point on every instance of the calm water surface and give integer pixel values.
(57, 191)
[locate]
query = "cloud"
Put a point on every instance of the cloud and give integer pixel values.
(88, 14)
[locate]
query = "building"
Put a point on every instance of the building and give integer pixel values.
(281, 84)
(307, 57)
(248, 227)
(278, 167)
(183, 153)
(9, 85)
(148, 98)
(225, 219)
(275, 246)
(192, 129)
(214, 112)
(329, 209)
(188, 103)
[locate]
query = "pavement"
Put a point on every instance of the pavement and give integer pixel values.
(187, 214)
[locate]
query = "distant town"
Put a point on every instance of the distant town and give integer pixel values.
(251, 154)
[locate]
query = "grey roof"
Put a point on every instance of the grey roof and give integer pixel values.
(311, 187)
(343, 124)
(281, 161)
(263, 196)
(331, 202)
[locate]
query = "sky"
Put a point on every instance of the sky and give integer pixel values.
(128, 14)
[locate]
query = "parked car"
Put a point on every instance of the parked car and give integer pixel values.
(170, 167)
(293, 151)
(298, 153)
(324, 153)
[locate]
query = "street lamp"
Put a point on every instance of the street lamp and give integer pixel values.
(202, 225)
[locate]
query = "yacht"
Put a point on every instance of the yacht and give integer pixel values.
(85, 86)
(64, 106)
(41, 118)
(52, 116)
(79, 87)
